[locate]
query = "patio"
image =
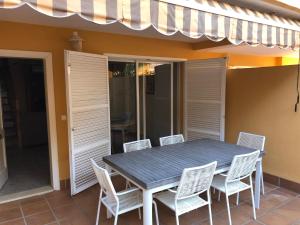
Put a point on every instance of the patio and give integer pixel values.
(278, 206)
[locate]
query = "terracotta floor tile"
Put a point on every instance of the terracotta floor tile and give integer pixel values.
(60, 200)
(67, 212)
(40, 218)
(10, 205)
(254, 223)
(291, 210)
(34, 206)
(274, 219)
(278, 206)
(78, 219)
(14, 222)
(10, 214)
(57, 194)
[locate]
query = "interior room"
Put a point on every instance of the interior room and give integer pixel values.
(25, 125)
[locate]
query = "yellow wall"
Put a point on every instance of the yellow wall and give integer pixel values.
(289, 61)
(261, 101)
(18, 36)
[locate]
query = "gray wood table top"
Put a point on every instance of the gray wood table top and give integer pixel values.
(158, 166)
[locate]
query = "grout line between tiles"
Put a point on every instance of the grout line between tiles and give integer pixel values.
(12, 220)
(52, 211)
(22, 213)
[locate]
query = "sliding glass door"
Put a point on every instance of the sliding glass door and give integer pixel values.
(141, 101)
(155, 100)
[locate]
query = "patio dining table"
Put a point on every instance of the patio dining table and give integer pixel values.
(160, 168)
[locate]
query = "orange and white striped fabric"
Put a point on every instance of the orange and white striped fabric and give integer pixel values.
(193, 18)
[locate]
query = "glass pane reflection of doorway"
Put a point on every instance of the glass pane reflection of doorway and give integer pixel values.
(122, 84)
(155, 83)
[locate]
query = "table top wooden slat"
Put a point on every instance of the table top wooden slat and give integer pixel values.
(158, 166)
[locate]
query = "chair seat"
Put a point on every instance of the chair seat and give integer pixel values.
(183, 205)
(127, 202)
(232, 187)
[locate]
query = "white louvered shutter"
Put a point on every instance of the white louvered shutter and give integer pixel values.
(205, 83)
(88, 115)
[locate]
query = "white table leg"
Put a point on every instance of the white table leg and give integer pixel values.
(257, 183)
(147, 209)
(108, 213)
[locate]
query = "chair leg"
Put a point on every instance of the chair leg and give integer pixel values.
(252, 198)
(177, 219)
(128, 185)
(228, 210)
(238, 198)
(209, 207)
(98, 210)
(262, 181)
(156, 213)
(140, 215)
(116, 219)
(219, 196)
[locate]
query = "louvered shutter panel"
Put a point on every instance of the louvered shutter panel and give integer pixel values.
(88, 115)
(204, 113)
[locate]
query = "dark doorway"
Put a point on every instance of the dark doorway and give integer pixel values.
(25, 124)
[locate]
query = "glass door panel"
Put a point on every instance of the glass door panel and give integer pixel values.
(155, 83)
(122, 84)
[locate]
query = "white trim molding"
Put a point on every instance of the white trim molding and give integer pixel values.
(132, 58)
(50, 100)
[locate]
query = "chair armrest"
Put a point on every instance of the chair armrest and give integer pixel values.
(223, 174)
(113, 174)
(127, 191)
(172, 190)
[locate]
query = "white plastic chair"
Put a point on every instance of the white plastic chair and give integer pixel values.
(170, 140)
(257, 142)
(116, 202)
(136, 146)
(241, 168)
(193, 182)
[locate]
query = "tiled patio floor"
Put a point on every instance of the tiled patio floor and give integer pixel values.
(278, 207)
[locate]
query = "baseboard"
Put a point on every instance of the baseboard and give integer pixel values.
(281, 182)
(65, 184)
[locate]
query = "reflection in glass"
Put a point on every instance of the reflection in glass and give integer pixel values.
(155, 100)
(122, 84)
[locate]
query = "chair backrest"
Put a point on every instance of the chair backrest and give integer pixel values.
(242, 166)
(169, 140)
(105, 183)
(195, 180)
(251, 141)
(137, 145)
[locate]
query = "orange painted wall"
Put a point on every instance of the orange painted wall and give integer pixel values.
(261, 100)
(16, 36)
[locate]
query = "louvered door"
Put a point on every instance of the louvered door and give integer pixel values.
(204, 114)
(88, 115)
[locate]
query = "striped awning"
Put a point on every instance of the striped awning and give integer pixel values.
(193, 18)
